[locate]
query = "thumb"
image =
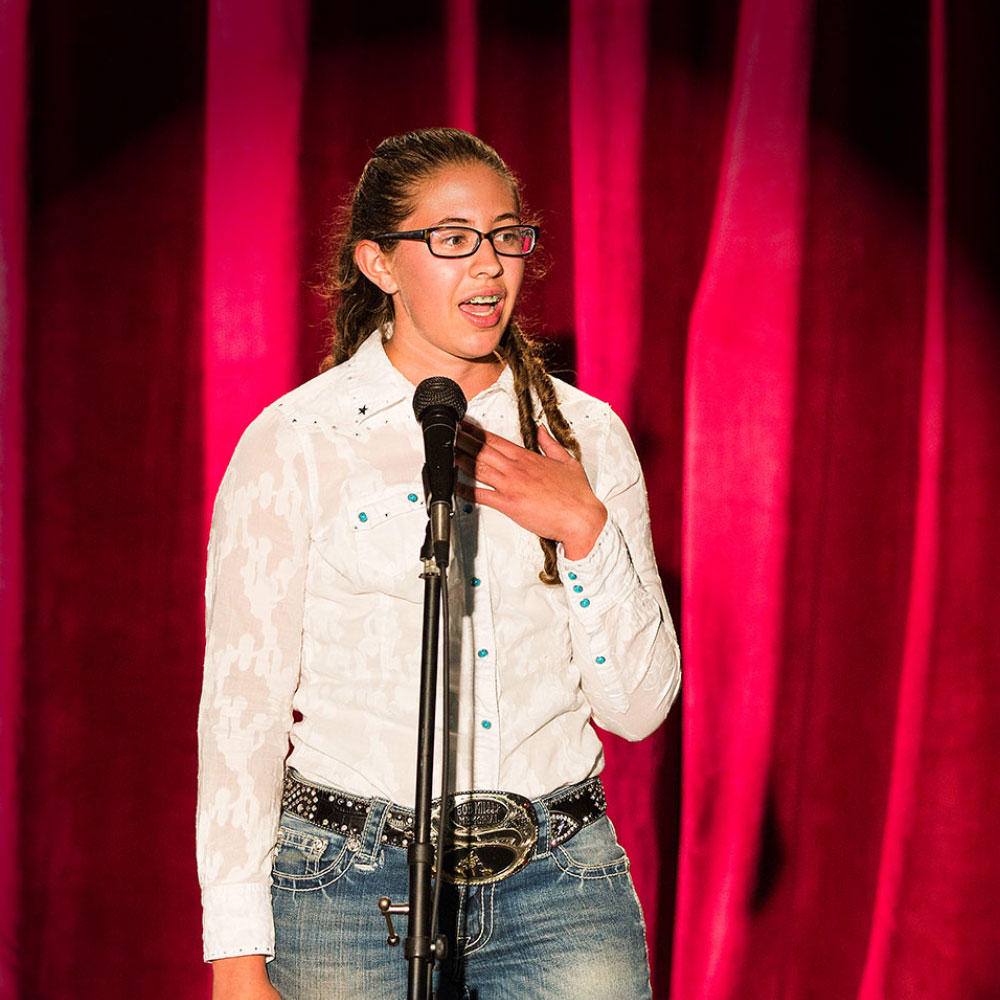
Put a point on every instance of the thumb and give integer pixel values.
(551, 448)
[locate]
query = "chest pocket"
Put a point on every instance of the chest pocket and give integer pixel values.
(386, 534)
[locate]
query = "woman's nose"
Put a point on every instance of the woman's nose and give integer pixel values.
(486, 260)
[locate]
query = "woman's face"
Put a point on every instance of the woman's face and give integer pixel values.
(435, 319)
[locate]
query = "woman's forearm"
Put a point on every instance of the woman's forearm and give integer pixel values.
(242, 978)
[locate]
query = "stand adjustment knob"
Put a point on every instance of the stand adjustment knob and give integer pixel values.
(387, 906)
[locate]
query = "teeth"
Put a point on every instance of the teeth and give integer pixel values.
(484, 300)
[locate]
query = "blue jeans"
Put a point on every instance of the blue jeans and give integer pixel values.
(566, 927)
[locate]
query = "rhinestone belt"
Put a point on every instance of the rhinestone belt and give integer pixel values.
(491, 834)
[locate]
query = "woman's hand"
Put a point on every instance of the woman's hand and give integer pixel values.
(242, 978)
(545, 494)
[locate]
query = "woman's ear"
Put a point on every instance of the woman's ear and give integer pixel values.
(374, 264)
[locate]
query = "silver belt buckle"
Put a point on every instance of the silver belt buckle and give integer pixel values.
(491, 835)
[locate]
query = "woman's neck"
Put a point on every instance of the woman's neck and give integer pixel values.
(473, 375)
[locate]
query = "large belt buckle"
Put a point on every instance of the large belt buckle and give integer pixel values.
(490, 836)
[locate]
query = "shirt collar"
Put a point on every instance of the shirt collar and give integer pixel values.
(375, 385)
(505, 385)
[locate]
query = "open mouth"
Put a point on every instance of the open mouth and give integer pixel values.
(482, 305)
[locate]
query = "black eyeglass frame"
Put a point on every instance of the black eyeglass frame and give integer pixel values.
(424, 235)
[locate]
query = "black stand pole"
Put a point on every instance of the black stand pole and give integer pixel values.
(438, 404)
(421, 948)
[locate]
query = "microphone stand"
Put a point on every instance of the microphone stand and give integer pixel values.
(438, 405)
(422, 946)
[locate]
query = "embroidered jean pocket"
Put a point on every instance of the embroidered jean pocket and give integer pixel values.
(593, 852)
(306, 861)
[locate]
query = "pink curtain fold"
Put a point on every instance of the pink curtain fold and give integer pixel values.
(462, 44)
(936, 916)
(256, 71)
(608, 81)
(607, 90)
(739, 413)
(13, 290)
(911, 719)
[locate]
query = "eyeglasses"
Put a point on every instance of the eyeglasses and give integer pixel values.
(463, 241)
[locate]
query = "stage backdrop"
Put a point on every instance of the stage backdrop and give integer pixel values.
(769, 239)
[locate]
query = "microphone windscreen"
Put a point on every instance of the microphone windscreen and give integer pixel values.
(438, 391)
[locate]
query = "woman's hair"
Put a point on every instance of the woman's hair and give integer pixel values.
(385, 195)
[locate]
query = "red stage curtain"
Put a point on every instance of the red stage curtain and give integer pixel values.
(738, 439)
(13, 116)
(461, 27)
(768, 239)
(256, 68)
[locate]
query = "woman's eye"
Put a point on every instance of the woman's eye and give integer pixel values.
(453, 238)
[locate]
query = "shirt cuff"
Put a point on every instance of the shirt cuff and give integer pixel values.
(599, 581)
(237, 920)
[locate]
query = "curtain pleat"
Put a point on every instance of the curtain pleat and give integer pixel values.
(462, 44)
(608, 80)
(112, 522)
(607, 91)
(740, 409)
(13, 108)
(938, 886)
(256, 69)
(911, 717)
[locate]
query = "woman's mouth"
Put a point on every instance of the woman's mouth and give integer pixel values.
(483, 310)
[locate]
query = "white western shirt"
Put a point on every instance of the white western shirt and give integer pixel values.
(314, 604)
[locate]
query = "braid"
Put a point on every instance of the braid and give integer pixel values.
(531, 379)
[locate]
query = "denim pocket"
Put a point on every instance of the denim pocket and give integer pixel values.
(307, 858)
(593, 852)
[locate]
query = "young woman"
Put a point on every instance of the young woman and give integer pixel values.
(314, 621)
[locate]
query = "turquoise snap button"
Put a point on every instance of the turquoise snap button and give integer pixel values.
(476, 581)
(577, 588)
(572, 576)
(487, 723)
(585, 603)
(412, 498)
(482, 653)
(600, 659)
(362, 517)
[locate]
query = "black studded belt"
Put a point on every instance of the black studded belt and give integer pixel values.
(491, 835)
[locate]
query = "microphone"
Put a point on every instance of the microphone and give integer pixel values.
(439, 404)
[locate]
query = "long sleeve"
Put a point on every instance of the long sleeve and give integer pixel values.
(257, 564)
(624, 642)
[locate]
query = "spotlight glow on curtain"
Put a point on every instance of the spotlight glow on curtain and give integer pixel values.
(256, 64)
(607, 89)
(740, 408)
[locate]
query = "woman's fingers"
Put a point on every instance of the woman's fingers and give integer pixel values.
(550, 446)
(495, 453)
(547, 494)
(476, 470)
(502, 465)
(477, 494)
(474, 439)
